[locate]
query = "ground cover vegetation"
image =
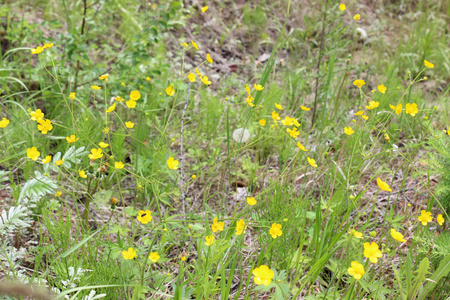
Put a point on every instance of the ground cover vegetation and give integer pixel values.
(225, 149)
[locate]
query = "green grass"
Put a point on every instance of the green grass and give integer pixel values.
(304, 54)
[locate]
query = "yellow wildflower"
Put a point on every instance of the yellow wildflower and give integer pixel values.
(129, 124)
(135, 95)
(154, 256)
(373, 105)
(130, 254)
(312, 162)
(275, 230)
(119, 165)
(204, 9)
(240, 226)
(383, 185)
(357, 17)
(111, 108)
(47, 159)
(59, 162)
(263, 275)
(104, 77)
(359, 82)
(33, 153)
(305, 108)
(440, 219)
(191, 77)
(4, 122)
(258, 87)
(172, 163)
(356, 270)
(216, 225)
(95, 153)
(349, 131)
(397, 235)
(425, 217)
(170, 91)
(428, 64)
(262, 122)
(208, 58)
(301, 147)
(251, 201)
(209, 240)
(95, 87)
(144, 216)
(411, 109)
(278, 106)
(342, 6)
(372, 252)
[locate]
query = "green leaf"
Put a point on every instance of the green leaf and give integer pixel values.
(442, 271)
(420, 278)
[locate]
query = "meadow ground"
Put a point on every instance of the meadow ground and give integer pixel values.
(225, 149)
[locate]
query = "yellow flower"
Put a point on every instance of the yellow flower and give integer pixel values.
(95, 153)
(258, 87)
(301, 147)
(195, 45)
(147, 78)
(130, 254)
(45, 125)
(205, 80)
(262, 122)
(119, 99)
(383, 185)
(47, 159)
(247, 89)
(342, 6)
(172, 163)
(397, 235)
(37, 50)
(4, 122)
(59, 162)
(72, 96)
(198, 72)
(359, 82)
(103, 145)
(305, 108)
(251, 201)
(275, 230)
(191, 77)
(411, 109)
(105, 130)
(129, 124)
(185, 45)
(356, 270)
(135, 95)
(36, 115)
(293, 132)
(194, 176)
(183, 258)
(359, 113)
(373, 105)
(119, 165)
(263, 275)
(372, 252)
(357, 17)
(397, 109)
(95, 87)
(275, 116)
(240, 226)
(48, 45)
(278, 106)
(58, 194)
(204, 9)
(33, 153)
(440, 219)
(144, 216)
(131, 103)
(170, 90)
(312, 162)
(249, 101)
(104, 77)
(382, 88)
(428, 64)
(209, 59)
(209, 240)
(356, 234)
(82, 174)
(425, 217)
(349, 131)
(154, 256)
(386, 136)
(111, 108)
(216, 225)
